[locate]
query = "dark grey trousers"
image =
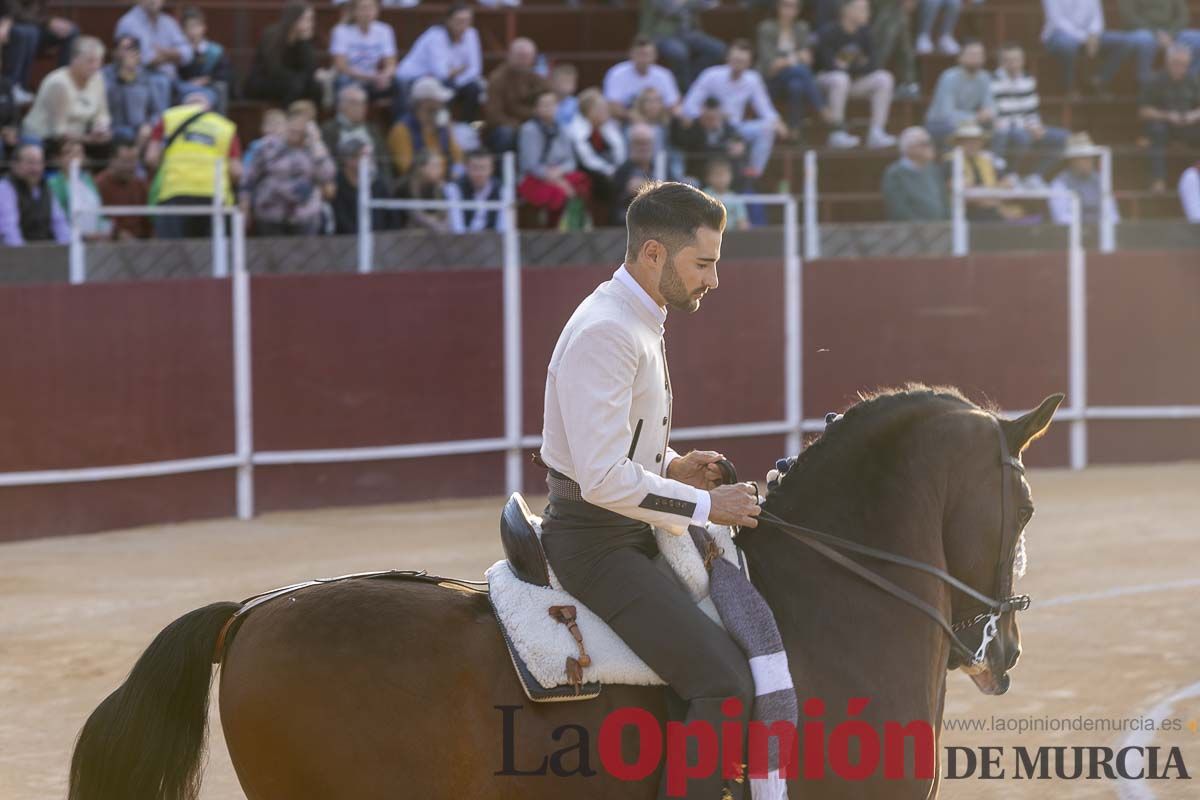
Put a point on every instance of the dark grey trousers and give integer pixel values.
(604, 560)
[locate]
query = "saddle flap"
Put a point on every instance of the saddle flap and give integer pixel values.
(522, 547)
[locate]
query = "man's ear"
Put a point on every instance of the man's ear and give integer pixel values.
(1023, 430)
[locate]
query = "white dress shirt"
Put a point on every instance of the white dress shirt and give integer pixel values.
(735, 95)
(623, 83)
(608, 409)
(435, 53)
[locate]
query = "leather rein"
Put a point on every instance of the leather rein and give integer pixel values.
(828, 545)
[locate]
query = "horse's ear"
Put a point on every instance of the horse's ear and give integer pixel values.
(1023, 430)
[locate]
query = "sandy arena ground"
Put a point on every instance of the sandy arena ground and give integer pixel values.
(1112, 633)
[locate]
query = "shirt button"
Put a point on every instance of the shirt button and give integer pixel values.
(658, 458)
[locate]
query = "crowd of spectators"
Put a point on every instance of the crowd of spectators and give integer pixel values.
(146, 108)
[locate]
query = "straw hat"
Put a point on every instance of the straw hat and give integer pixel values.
(1079, 145)
(969, 130)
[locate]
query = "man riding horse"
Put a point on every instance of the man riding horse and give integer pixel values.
(612, 473)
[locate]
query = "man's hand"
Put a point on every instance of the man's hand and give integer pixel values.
(698, 468)
(735, 504)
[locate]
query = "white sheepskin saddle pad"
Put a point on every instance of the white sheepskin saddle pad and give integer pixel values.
(544, 644)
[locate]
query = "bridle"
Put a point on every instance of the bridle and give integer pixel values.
(828, 545)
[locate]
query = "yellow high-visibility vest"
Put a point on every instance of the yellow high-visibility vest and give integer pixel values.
(187, 167)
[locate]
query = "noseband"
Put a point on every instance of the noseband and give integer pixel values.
(828, 545)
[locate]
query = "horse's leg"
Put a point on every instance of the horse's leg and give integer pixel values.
(385, 689)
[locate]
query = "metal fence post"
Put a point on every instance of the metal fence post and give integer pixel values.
(958, 221)
(1077, 336)
(243, 409)
(793, 313)
(812, 233)
(511, 277)
(366, 244)
(219, 250)
(1108, 224)
(77, 257)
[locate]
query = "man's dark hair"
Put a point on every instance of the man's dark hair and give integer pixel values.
(712, 102)
(670, 213)
(456, 7)
(479, 152)
(741, 44)
(641, 40)
(970, 40)
(190, 12)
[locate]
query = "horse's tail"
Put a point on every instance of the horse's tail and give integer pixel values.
(146, 740)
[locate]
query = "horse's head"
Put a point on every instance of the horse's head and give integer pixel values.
(984, 543)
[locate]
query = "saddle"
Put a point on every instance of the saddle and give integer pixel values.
(559, 648)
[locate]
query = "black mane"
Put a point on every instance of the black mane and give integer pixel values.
(877, 421)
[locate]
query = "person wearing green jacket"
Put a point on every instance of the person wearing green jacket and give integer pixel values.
(92, 224)
(914, 188)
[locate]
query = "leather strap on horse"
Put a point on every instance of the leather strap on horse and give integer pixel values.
(565, 615)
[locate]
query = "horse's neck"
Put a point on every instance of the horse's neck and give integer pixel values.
(845, 638)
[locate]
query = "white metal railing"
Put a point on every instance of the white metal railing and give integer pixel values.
(1077, 412)
(218, 210)
(244, 459)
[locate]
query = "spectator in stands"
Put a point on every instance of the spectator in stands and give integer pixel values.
(738, 87)
(980, 170)
(626, 81)
(285, 65)
(963, 94)
(426, 181)
(1080, 178)
(426, 126)
(364, 53)
(10, 117)
(685, 49)
(187, 164)
(927, 11)
(785, 61)
(31, 32)
(136, 99)
(209, 64)
(650, 110)
(1189, 193)
(351, 122)
(564, 82)
(345, 200)
(1075, 25)
(599, 144)
(1158, 24)
(635, 172)
(478, 184)
(122, 184)
(71, 100)
(1019, 129)
(550, 175)
(160, 40)
(28, 210)
(513, 88)
(891, 38)
(272, 124)
(91, 223)
(848, 69)
(451, 53)
(1170, 107)
(281, 189)
(718, 181)
(914, 188)
(711, 135)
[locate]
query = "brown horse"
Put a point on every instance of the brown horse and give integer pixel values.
(392, 689)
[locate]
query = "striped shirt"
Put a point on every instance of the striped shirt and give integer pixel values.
(1016, 100)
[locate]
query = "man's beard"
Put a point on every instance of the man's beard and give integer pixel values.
(671, 287)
